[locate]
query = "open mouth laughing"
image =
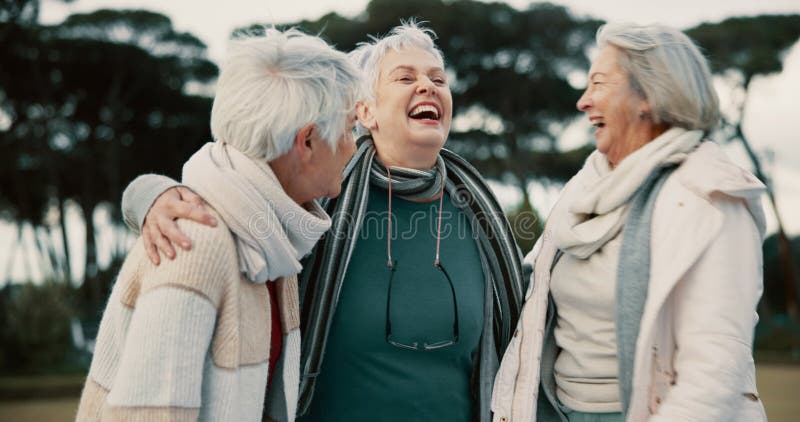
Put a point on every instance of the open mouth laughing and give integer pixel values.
(425, 112)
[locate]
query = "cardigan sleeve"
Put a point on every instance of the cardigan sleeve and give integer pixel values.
(140, 195)
(714, 319)
(158, 331)
(161, 368)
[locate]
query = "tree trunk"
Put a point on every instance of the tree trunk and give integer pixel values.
(66, 265)
(45, 259)
(90, 267)
(26, 256)
(12, 250)
(58, 265)
(784, 244)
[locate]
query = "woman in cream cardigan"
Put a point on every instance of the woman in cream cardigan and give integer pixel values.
(646, 280)
(196, 337)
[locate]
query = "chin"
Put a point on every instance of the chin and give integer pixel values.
(603, 146)
(333, 193)
(429, 139)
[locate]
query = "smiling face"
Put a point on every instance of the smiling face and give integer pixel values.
(619, 114)
(410, 116)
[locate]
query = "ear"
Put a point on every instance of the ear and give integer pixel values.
(365, 115)
(303, 142)
(644, 109)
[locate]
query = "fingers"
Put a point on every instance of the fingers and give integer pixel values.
(192, 207)
(201, 215)
(161, 231)
(169, 229)
(150, 247)
(188, 195)
(161, 242)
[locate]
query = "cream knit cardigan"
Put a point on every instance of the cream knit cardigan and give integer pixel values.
(186, 340)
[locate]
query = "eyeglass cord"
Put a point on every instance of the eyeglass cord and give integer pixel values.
(438, 224)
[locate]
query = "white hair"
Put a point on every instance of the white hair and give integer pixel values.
(667, 69)
(272, 85)
(368, 55)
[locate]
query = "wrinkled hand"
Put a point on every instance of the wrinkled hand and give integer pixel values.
(160, 229)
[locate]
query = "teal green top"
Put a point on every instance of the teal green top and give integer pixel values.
(364, 378)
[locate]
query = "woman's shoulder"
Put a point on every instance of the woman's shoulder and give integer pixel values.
(207, 239)
(708, 176)
(211, 246)
(209, 267)
(709, 172)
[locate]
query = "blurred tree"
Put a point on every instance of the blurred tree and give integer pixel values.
(106, 99)
(19, 11)
(740, 49)
(24, 193)
(776, 330)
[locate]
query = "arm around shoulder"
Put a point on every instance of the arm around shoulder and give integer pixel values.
(140, 195)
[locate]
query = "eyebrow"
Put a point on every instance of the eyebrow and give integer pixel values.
(592, 75)
(412, 68)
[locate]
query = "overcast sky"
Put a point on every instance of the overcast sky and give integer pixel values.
(214, 21)
(772, 106)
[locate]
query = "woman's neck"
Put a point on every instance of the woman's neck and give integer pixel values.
(407, 156)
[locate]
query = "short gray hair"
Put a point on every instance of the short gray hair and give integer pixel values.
(368, 55)
(667, 69)
(273, 84)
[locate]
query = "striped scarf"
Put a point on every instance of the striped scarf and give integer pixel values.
(324, 272)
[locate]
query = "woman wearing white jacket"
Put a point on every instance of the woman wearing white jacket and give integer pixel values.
(645, 282)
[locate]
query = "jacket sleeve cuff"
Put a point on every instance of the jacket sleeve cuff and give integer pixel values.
(140, 195)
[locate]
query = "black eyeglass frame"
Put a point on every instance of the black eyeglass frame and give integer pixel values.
(415, 345)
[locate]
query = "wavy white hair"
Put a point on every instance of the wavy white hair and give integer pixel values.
(272, 85)
(666, 68)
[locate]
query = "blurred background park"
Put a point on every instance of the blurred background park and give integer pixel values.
(94, 93)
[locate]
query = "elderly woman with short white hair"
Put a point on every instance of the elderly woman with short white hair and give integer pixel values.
(200, 336)
(647, 276)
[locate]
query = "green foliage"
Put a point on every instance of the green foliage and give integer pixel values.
(104, 100)
(750, 45)
(85, 307)
(527, 225)
(776, 331)
(35, 329)
(19, 11)
(774, 287)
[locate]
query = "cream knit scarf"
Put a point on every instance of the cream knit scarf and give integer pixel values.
(594, 204)
(272, 231)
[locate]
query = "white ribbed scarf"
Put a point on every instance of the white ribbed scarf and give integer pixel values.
(594, 204)
(272, 231)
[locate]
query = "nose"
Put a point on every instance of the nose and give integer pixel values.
(426, 86)
(584, 102)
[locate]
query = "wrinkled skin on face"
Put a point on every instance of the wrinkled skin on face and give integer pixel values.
(412, 110)
(620, 115)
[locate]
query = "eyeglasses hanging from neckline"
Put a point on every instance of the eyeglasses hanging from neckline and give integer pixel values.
(392, 266)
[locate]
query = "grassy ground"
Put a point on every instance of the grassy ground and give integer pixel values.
(47, 410)
(778, 385)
